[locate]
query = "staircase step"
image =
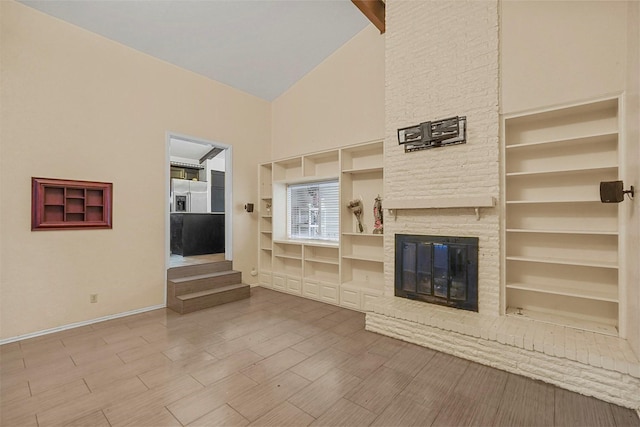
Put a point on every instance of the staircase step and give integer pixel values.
(195, 295)
(197, 269)
(203, 282)
(210, 298)
(203, 276)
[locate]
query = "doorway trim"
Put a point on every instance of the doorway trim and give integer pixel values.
(228, 192)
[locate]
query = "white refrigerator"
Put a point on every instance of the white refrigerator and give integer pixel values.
(188, 196)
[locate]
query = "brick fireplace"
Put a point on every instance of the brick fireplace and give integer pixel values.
(440, 192)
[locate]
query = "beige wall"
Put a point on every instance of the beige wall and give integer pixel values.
(568, 51)
(340, 102)
(632, 173)
(78, 106)
(555, 52)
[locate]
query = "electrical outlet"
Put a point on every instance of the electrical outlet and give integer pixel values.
(93, 298)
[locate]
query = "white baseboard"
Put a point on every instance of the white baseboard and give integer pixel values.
(78, 324)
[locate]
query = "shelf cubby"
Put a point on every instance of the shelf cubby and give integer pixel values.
(289, 266)
(593, 282)
(265, 241)
(54, 214)
(74, 205)
(74, 193)
(266, 224)
(587, 249)
(580, 313)
(74, 217)
(366, 187)
(589, 153)
(363, 273)
(287, 250)
(265, 177)
(362, 158)
(265, 207)
(320, 271)
(322, 164)
(590, 216)
(265, 260)
(95, 198)
(571, 122)
(290, 169)
(363, 247)
(321, 254)
(54, 196)
(573, 185)
(93, 213)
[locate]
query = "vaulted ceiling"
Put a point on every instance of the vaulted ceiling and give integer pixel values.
(261, 47)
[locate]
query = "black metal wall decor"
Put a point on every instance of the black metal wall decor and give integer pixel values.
(434, 134)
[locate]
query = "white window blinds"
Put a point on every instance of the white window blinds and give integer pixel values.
(313, 210)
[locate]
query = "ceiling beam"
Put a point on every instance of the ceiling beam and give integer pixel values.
(211, 154)
(374, 10)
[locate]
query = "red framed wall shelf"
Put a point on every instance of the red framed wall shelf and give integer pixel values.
(66, 204)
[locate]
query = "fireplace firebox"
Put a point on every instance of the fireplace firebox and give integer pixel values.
(437, 269)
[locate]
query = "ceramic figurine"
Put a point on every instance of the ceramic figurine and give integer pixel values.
(355, 206)
(377, 215)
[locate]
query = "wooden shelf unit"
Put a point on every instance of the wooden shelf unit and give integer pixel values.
(68, 204)
(348, 273)
(561, 243)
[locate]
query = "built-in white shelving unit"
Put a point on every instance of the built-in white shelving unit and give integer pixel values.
(349, 272)
(265, 224)
(561, 242)
(265, 239)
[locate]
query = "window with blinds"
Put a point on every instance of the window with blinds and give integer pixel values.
(313, 211)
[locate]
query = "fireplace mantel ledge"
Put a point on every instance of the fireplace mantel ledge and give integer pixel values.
(475, 202)
(610, 369)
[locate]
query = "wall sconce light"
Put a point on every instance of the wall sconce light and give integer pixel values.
(248, 207)
(613, 192)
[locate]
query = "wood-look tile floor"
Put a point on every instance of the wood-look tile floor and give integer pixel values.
(271, 360)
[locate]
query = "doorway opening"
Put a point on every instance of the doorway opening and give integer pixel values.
(198, 225)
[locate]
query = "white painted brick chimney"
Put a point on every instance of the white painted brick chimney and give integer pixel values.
(442, 61)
